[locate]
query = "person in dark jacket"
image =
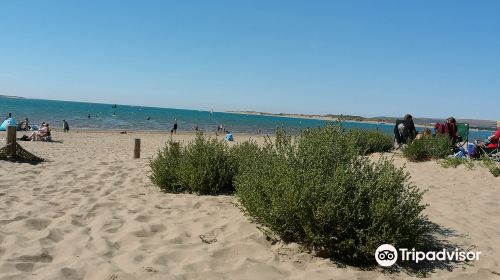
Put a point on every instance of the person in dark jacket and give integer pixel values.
(65, 126)
(404, 130)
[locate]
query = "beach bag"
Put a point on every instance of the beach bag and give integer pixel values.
(229, 137)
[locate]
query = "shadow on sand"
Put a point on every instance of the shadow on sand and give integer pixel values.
(439, 240)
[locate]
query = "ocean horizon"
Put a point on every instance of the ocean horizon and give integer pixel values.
(130, 117)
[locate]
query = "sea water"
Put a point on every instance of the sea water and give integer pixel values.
(127, 117)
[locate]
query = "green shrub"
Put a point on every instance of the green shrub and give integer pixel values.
(243, 152)
(372, 141)
(456, 161)
(317, 190)
(165, 167)
(203, 166)
(492, 166)
(426, 148)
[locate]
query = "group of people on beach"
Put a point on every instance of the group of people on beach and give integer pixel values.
(39, 133)
(405, 131)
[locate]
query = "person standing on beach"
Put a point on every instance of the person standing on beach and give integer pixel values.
(405, 130)
(174, 129)
(27, 124)
(65, 126)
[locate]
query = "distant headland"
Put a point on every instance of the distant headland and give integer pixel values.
(11, 96)
(473, 124)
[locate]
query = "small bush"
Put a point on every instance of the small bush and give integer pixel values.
(456, 161)
(372, 141)
(243, 153)
(165, 167)
(493, 167)
(203, 166)
(426, 148)
(317, 190)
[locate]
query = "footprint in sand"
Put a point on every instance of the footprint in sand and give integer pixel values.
(42, 258)
(55, 235)
(24, 267)
(142, 218)
(70, 274)
(153, 229)
(18, 218)
(77, 220)
(37, 224)
(138, 258)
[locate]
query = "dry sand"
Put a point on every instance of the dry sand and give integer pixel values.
(92, 213)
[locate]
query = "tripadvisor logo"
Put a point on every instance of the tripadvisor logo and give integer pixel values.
(386, 255)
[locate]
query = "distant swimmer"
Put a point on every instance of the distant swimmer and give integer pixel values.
(114, 114)
(148, 118)
(88, 116)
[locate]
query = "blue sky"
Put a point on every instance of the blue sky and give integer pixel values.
(370, 58)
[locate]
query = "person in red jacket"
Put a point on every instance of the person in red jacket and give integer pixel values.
(449, 128)
(493, 139)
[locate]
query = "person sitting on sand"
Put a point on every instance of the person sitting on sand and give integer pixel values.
(41, 133)
(449, 128)
(23, 125)
(425, 133)
(229, 137)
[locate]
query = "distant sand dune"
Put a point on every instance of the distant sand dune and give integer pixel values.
(92, 213)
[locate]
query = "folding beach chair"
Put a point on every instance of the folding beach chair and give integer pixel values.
(463, 134)
(493, 154)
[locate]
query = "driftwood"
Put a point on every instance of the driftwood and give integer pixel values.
(13, 151)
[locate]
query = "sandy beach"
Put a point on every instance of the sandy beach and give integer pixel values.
(91, 212)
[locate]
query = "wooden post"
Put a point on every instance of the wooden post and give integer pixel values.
(137, 148)
(11, 141)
